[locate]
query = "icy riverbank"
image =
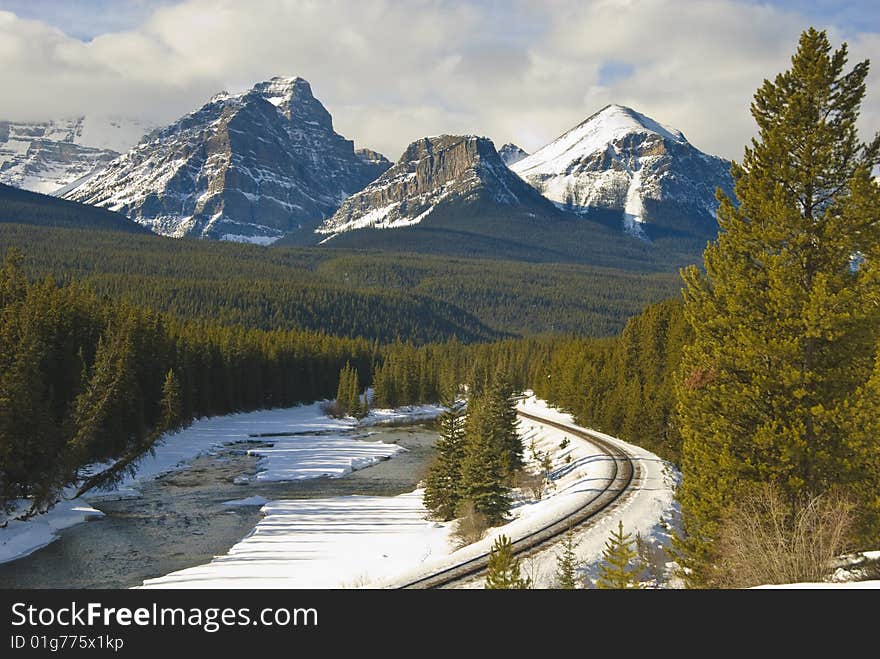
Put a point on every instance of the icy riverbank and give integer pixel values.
(315, 446)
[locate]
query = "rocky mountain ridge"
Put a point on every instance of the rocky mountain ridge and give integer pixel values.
(432, 175)
(248, 167)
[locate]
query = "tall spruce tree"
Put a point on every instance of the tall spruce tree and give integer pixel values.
(785, 317)
(483, 472)
(619, 568)
(443, 486)
(502, 412)
(353, 403)
(503, 572)
(171, 404)
(342, 391)
(381, 389)
(348, 401)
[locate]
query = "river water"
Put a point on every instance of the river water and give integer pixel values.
(180, 520)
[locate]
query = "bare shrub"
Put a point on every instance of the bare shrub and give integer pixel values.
(532, 572)
(470, 526)
(331, 408)
(534, 484)
(360, 581)
(768, 539)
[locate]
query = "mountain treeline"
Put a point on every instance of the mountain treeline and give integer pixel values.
(624, 386)
(84, 379)
(415, 298)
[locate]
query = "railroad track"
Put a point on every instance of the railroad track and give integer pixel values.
(622, 476)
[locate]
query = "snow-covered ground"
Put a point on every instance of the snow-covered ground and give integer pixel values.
(852, 571)
(22, 538)
(331, 453)
(388, 541)
(339, 542)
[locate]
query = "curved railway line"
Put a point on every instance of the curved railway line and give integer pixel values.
(624, 473)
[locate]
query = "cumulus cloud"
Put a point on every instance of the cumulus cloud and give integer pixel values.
(390, 72)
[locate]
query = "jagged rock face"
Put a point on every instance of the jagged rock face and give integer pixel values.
(435, 173)
(621, 160)
(248, 167)
(50, 157)
(510, 154)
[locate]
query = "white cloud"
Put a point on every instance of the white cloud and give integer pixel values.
(391, 72)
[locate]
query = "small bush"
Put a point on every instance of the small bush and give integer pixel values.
(470, 526)
(534, 484)
(331, 408)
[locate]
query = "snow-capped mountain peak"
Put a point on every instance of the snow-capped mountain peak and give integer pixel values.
(294, 99)
(594, 134)
(623, 161)
(251, 166)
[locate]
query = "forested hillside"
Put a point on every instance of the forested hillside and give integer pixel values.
(624, 386)
(485, 232)
(18, 205)
(352, 293)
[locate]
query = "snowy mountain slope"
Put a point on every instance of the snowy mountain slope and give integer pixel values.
(510, 153)
(51, 156)
(247, 167)
(623, 161)
(435, 174)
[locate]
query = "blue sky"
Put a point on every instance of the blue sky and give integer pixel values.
(85, 19)
(391, 71)
(852, 16)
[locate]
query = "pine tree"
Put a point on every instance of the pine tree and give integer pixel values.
(619, 568)
(567, 564)
(353, 403)
(347, 392)
(483, 472)
(503, 572)
(443, 487)
(785, 322)
(381, 393)
(171, 405)
(505, 424)
(342, 392)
